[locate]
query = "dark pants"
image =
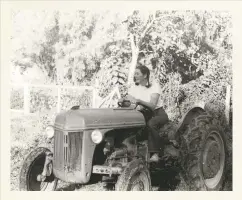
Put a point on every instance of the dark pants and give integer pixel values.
(157, 121)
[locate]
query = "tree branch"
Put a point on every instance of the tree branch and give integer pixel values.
(133, 46)
(144, 51)
(148, 25)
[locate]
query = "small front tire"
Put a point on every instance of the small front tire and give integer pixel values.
(31, 168)
(135, 177)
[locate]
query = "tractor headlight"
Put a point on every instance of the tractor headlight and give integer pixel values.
(97, 136)
(49, 131)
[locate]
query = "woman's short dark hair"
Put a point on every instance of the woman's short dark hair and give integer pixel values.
(145, 71)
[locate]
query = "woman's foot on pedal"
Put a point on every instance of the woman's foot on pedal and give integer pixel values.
(155, 158)
(174, 143)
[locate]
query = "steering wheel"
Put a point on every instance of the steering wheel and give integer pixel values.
(75, 107)
(146, 111)
(128, 103)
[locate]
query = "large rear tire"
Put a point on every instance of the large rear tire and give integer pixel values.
(31, 168)
(204, 151)
(135, 177)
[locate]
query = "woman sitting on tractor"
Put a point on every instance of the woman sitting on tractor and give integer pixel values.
(147, 94)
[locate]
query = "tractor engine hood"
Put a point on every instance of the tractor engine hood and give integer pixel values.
(108, 118)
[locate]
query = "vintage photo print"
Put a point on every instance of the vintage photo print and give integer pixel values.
(120, 96)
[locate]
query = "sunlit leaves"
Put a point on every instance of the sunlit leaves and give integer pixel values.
(17, 98)
(78, 47)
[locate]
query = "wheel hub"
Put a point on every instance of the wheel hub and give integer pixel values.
(213, 160)
(138, 186)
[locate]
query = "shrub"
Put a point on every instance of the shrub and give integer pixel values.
(73, 97)
(43, 100)
(17, 98)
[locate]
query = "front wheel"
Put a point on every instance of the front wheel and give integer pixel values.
(31, 168)
(135, 177)
(204, 154)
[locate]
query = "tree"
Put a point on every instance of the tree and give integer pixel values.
(79, 47)
(31, 41)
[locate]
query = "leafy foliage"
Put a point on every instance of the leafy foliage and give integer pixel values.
(43, 100)
(70, 98)
(17, 98)
(113, 71)
(187, 48)
(190, 54)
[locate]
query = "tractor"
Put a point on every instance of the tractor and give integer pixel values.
(111, 143)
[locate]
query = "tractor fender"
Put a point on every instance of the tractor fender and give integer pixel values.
(190, 114)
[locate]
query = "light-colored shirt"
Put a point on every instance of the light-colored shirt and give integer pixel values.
(144, 93)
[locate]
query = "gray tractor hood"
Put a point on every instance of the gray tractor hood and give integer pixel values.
(108, 118)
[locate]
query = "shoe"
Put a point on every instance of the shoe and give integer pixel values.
(174, 143)
(155, 158)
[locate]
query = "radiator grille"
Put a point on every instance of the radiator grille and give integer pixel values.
(68, 150)
(75, 150)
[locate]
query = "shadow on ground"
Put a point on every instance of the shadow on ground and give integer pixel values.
(70, 187)
(161, 181)
(167, 180)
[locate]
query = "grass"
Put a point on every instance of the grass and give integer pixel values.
(27, 133)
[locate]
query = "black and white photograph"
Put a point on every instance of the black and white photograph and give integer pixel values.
(121, 100)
